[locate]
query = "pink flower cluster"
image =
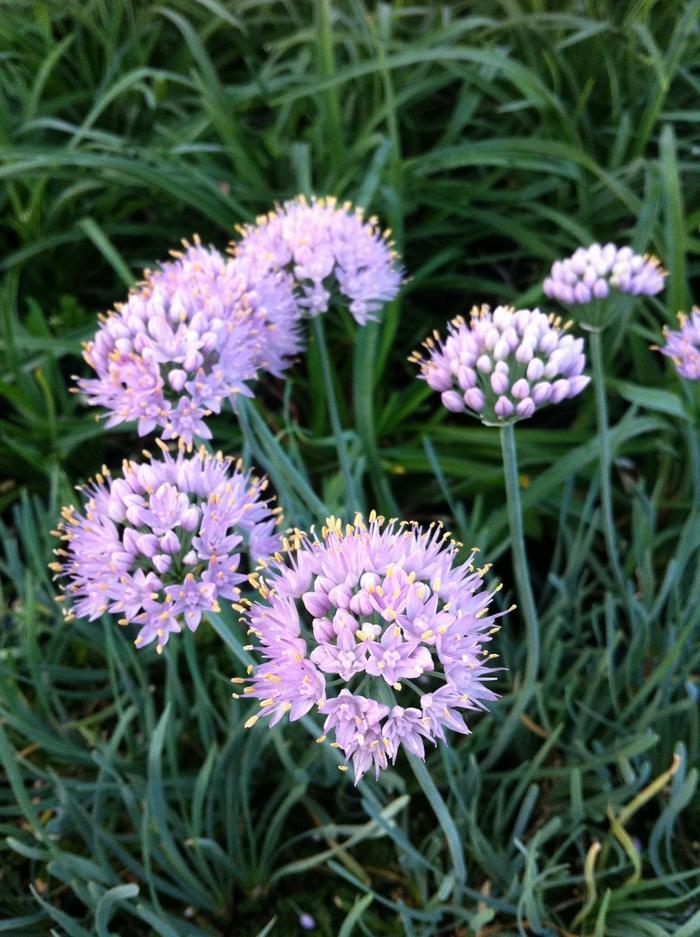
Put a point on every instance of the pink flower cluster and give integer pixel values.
(161, 544)
(201, 327)
(504, 364)
(683, 345)
(186, 340)
(592, 272)
(386, 613)
(325, 249)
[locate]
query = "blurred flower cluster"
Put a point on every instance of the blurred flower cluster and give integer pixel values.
(683, 345)
(593, 272)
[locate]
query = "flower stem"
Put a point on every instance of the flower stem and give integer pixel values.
(444, 818)
(364, 362)
(692, 431)
(271, 455)
(525, 597)
(605, 458)
(434, 797)
(353, 498)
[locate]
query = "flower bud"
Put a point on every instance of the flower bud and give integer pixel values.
(501, 350)
(169, 542)
(147, 544)
(520, 389)
(474, 399)
(177, 379)
(340, 596)
(535, 369)
(453, 401)
(499, 382)
(542, 392)
(560, 390)
(439, 379)
(162, 562)
(323, 629)
(466, 377)
(525, 408)
(503, 407)
(316, 603)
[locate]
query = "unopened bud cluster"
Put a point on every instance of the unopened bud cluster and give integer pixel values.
(593, 272)
(503, 365)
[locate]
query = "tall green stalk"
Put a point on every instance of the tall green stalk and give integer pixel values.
(444, 818)
(436, 801)
(605, 457)
(354, 501)
(525, 596)
(363, 382)
(278, 465)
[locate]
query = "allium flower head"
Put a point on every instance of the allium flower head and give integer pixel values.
(187, 339)
(380, 629)
(325, 249)
(592, 272)
(162, 543)
(683, 346)
(504, 364)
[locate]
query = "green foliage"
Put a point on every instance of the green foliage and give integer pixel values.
(492, 138)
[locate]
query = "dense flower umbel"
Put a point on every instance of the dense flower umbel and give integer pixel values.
(683, 346)
(187, 339)
(592, 272)
(370, 609)
(162, 544)
(325, 248)
(503, 365)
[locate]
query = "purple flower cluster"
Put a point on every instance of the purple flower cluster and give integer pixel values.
(503, 364)
(162, 544)
(187, 339)
(387, 613)
(591, 272)
(683, 346)
(325, 247)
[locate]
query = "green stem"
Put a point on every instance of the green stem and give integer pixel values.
(327, 68)
(525, 597)
(353, 498)
(434, 797)
(274, 459)
(363, 399)
(231, 636)
(605, 457)
(444, 818)
(692, 432)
